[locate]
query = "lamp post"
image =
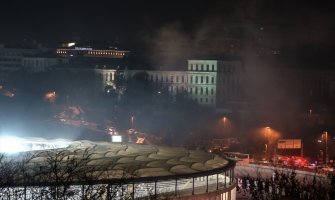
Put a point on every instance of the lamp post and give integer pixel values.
(325, 138)
(132, 122)
(267, 143)
(224, 121)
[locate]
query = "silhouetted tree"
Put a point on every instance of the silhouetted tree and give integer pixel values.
(286, 186)
(58, 174)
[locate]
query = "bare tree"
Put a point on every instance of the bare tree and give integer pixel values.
(65, 174)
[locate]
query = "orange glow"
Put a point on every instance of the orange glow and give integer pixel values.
(50, 96)
(140, 140)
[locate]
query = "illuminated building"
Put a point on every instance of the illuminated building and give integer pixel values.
(199, 81)
(69, 50)
(208, 82)
(121, 171)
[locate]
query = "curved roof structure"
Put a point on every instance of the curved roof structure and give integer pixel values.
(143, 162)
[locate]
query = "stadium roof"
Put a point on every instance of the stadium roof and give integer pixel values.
(143, 162)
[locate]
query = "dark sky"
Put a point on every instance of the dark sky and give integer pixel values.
(135, 23)
(61, 20)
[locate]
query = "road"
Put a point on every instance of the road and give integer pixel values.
(254, 170)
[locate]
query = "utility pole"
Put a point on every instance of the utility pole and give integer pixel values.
(326, 138)
(132, 122)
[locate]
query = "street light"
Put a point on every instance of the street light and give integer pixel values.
(224, 121)
(267, 145)
(325, 138)
(132, 122)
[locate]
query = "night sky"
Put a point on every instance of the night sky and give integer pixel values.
(98, 20)
(172, 26)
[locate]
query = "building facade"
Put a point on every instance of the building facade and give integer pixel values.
(40, 63)
(199, 84)
(69, 50)
(208, 82)
(11, 59)
(230, 83)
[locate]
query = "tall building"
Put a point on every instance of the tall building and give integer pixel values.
(230, 84)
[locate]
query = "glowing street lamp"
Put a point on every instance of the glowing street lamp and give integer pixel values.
(224, 121)
(267, 145)
(325, 138)
(50, 96)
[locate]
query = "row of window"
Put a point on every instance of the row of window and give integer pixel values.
(106, 53)
(229, 68)
(183, 79)
(195, 90)
(10, 59)
(204, 100)
(201, 91)
(41, 62)
(230, 92)
(202, 67)
(97, 52)
(230, 80)
(109, 76)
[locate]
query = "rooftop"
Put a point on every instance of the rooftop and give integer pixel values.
(120, 161)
